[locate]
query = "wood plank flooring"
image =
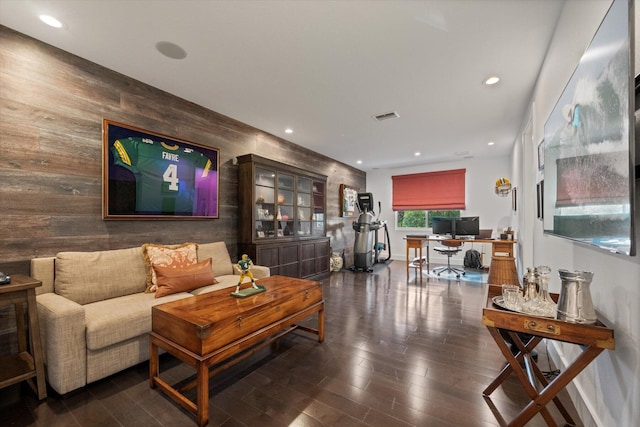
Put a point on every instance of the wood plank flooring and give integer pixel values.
(396, 353)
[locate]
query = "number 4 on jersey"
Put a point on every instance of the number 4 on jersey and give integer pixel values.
(170, 175)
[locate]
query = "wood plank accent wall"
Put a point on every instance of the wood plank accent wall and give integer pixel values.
(51, 108)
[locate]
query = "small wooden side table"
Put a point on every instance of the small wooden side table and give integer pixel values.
(503, 264)
(416, 243)
(28, 363)
(592, 339)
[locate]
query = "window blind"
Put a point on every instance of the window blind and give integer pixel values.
(440, 190)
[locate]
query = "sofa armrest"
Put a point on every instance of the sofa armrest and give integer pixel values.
(62, 326)
(258, 271)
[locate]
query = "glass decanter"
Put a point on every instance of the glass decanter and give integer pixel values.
(529, 285)
(544, 305)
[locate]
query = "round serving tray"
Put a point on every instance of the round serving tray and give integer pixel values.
(498, 301)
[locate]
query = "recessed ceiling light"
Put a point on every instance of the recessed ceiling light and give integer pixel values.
(171, 50)
(359, 162)
(491, 80)
(490, 143)
(51, 21)
(288, 130)
(417, 153)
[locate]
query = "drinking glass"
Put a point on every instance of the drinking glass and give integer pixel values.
(512, 297)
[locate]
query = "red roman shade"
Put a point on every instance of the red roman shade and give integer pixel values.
(440, 190)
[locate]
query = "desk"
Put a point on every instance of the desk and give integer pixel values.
(592, 339)
(503, 264)
(28, 363)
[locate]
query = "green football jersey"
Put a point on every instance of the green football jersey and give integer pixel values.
(165, 174)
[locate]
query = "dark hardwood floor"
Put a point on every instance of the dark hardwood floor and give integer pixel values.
(396, 353)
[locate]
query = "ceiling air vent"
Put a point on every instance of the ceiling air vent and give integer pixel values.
(386, 116)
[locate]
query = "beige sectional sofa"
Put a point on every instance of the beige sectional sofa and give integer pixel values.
(94, 313)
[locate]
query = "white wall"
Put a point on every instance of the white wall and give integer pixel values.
(608, 391)
(494, 212)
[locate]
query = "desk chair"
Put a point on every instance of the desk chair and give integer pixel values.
(449, 248)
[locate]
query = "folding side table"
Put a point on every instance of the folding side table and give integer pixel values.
(416, 243)
(592, 339)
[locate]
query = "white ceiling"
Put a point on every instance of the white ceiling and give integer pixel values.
(324, 68)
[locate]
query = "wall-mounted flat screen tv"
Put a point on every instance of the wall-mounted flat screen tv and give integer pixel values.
(589, 143)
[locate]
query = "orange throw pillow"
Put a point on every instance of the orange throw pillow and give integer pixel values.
(182, 279)
(175, 256)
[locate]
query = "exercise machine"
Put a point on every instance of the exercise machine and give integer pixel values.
(368, 250)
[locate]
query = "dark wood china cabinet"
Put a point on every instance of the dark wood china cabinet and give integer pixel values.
(282, 218)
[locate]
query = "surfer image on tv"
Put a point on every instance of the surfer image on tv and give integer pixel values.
(244, 268)
(595, 123)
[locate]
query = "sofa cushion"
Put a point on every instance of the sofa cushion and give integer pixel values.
(220, 260)
(86, 277)
(116, 320)
(171, 280)
(175, 256)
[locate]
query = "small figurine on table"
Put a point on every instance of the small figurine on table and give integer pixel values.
(244, 268)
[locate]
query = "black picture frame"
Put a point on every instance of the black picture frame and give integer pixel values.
(540, 199)
(148, 175)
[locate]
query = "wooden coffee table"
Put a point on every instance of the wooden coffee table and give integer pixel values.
(216, 330)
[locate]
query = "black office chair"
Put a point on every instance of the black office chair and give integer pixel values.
(449, 248)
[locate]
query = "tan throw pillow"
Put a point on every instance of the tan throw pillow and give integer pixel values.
(167, 256)
(183, 279)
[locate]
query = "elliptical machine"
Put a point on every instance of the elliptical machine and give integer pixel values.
(367, 249)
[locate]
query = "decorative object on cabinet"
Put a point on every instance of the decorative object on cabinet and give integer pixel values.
(348, 199)
(150, 175)
(282, 222)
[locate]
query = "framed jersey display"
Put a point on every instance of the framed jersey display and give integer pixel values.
(149, 175)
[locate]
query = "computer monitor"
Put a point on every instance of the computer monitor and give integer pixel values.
(442, 225)
(467, 226)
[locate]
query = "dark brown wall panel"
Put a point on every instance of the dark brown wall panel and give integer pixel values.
(51, 108)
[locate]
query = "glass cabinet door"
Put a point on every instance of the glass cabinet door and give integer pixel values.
(303, 207)
(318, 218)
(265, 203)
(285, 214)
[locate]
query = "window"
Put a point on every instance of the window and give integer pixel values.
(421, 219)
